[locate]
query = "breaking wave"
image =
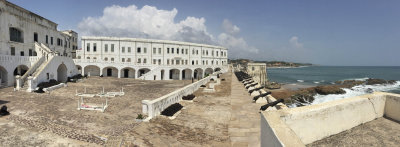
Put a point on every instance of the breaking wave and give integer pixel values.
(356, 91)
(301, 81)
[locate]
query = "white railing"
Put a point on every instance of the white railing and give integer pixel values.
(154, 107)
(32, 70)
(143, 77)
(9, 58)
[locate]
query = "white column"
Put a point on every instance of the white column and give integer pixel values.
(119, 73)
(18, 82)
(31, 86)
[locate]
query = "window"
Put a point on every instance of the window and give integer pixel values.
(30, 52)
(197, 52)
(138, 50)
(154, 50)
(58, 41)
(192, 62)
(207, 53)
(172, 50)
(106, 48)
(79, 57)
(144, 60)
(88, 58)
(186, 62)
(112, 47)
(252, 68)
(123, 50)
(212, 53)
(203, 52)
(47, 39)
(128, 60)
(35, 37)
(154, 61)
(105, 59)
(94, 47)
(123, 59)
(177, 51)
(177, 62)
(217, 62)
(182, 51)
(193, 52)
(222, 53)
(186, 51)
(159, 61)
(129, 49)
(159, 50)
(16, 35)
(167, 61)
(94, 58)
(207, 62)
(167, 50)
(112, 59)
(203, 62)
(88, 47)
(197, 62)
(144, 50)
(212, 62)
(51, 40)
(217, 53)
(139, 60)
(12, 51)
(172, 61)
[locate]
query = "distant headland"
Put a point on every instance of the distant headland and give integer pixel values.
(277, 64)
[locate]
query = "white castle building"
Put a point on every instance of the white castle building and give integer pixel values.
(148, 59)
(32, 49)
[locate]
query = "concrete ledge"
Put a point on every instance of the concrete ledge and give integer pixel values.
(315, 122)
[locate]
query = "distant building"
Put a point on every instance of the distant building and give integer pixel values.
(149, 59)
(258, 71)
(28, 44)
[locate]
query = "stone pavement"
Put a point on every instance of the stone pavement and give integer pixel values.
(244, 125)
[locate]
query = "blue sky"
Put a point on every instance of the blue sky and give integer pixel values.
(340, 32)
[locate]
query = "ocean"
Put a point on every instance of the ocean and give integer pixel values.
(325, 75)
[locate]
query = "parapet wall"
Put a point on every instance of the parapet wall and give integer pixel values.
(315, 122)
(154, 107)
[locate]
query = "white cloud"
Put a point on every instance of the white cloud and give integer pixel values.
(150, 22)
(294, 41)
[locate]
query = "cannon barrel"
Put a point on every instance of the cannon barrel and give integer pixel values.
(261, 95)
(251, 85)
(264, 107)
(255, 89)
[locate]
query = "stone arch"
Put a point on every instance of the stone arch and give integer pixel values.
(217, 69)
(3, 76)
(198, 73)
(174, 74)
(110, 71)
(208, 71)
(187, 74)
(62, 73)
(142, 71)
(92, 69)
(79, 68)
(20, 70)
(128, 72)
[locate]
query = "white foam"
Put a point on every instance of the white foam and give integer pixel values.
(358, 79)
(355, 91)
(301, 81)
(316, 82)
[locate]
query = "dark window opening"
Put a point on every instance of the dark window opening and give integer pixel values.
(16, 35)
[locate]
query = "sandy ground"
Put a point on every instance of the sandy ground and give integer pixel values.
(53, 119)
(379, 132)
(203, 122)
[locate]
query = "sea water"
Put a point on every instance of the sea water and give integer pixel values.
(325, 75)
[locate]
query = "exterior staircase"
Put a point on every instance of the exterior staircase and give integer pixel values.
(36, 68)
(151, 72)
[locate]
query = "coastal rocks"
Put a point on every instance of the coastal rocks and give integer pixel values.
(329, 89)
(273, 85)
(379, 81)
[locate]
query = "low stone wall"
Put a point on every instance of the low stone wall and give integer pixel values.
(315, 122)
(154, 107)
(54, 87)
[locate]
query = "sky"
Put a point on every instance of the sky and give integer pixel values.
(323, 32)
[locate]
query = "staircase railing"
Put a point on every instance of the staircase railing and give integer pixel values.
(143, 77)
(32, 69)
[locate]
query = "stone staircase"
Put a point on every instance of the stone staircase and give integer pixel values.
(38, 67)
(151, 72)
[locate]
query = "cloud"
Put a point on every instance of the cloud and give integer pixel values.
(294, 41)
(150, 22)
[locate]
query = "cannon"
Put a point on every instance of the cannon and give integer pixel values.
(264, 107)
(261, 95)
(251, 85)
(255, 89)
(3, 111)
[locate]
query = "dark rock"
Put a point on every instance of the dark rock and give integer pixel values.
(376, 81)
(329, 89)
(3, 111)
